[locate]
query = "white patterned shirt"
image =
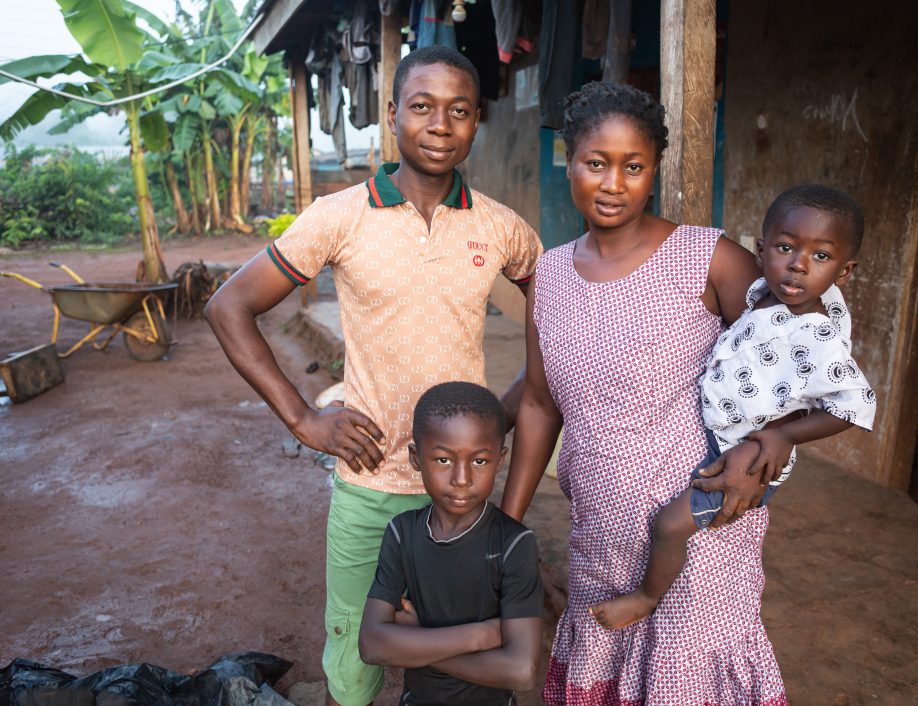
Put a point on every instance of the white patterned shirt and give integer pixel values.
(771, 362)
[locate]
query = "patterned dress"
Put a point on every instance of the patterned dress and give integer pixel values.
(622, 360)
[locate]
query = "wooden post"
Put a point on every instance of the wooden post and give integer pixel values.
(687, 43)
(302, 175)
(899, 411)
(390, 50)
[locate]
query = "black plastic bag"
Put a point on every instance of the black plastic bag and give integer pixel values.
(237, 679)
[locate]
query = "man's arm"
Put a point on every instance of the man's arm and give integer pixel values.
(258, 287)
(513, 665)
(384, 641)
(539, 423)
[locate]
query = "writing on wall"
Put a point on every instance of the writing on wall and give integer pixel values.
(838, 109)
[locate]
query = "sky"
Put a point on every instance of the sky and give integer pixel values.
(34, 27)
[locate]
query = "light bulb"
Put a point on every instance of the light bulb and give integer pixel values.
(459, 13)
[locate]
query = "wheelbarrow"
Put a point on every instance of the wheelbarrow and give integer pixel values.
(135, 310)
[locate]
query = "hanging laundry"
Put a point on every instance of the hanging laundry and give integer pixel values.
(323, 60)
(360, 41)
(435, 24)
(362, 83)
(559, 58)
(595, 28)
(516, 27)
(360, 35)
(476, 40)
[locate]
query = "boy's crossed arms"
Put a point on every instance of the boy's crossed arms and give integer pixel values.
(498, 653)
(472, 631)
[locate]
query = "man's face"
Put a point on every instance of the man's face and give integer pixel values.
(436, 118)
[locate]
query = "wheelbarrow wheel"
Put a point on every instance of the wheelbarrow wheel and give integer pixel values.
(141, 350)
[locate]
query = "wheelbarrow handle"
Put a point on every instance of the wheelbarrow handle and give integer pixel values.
(24, 280)
(68, 271)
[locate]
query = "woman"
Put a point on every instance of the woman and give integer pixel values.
(620, 324)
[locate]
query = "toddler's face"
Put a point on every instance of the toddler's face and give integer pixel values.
(803, 254)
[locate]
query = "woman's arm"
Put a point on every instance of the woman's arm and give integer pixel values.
(384, 641)
(538, 423)
(513, 665)
(733, 269)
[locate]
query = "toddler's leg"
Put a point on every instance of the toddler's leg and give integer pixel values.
(672, 528)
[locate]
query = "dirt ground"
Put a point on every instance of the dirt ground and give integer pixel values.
(147, 513)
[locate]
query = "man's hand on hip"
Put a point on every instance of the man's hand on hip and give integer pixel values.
(345, 433)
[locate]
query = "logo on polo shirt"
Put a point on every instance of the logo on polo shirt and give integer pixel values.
(478, 260)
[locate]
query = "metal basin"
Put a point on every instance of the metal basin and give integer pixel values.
(103, 303)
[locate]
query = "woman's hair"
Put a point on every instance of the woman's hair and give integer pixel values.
(453, 399)
(596, 102)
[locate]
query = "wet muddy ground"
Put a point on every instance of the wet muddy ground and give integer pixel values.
(147, 513)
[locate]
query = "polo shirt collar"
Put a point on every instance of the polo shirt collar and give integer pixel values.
(384, 193)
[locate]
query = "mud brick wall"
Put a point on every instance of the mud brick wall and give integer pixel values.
(827, 91)
(504, 164)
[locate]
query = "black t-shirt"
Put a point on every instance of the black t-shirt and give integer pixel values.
(489, 571)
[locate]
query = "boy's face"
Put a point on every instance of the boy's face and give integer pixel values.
(458, 458)
(436, 118)
(803, 254)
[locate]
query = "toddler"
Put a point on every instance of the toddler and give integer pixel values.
(790, 352)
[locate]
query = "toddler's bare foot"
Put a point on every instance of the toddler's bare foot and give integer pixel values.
(623, 611)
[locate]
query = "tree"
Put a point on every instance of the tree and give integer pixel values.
(112, 59)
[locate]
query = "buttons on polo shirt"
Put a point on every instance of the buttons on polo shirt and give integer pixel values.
(422, 239)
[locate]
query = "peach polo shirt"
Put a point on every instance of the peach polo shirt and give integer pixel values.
(412, 300)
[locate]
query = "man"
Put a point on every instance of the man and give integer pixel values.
(414, 253)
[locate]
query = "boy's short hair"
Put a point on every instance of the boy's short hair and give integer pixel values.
(452, 399)
(427, 56)
(585, 110)
(824, 198)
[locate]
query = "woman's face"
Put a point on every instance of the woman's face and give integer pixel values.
(611, 173)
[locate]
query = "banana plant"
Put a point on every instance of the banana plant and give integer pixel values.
(112, 57)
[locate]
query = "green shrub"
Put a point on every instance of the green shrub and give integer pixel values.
(277, 226)
(64, 195)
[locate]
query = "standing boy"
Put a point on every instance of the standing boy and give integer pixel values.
(469, 630)
(414, 253)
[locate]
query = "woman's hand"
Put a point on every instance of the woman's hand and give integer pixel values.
(730, 475)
